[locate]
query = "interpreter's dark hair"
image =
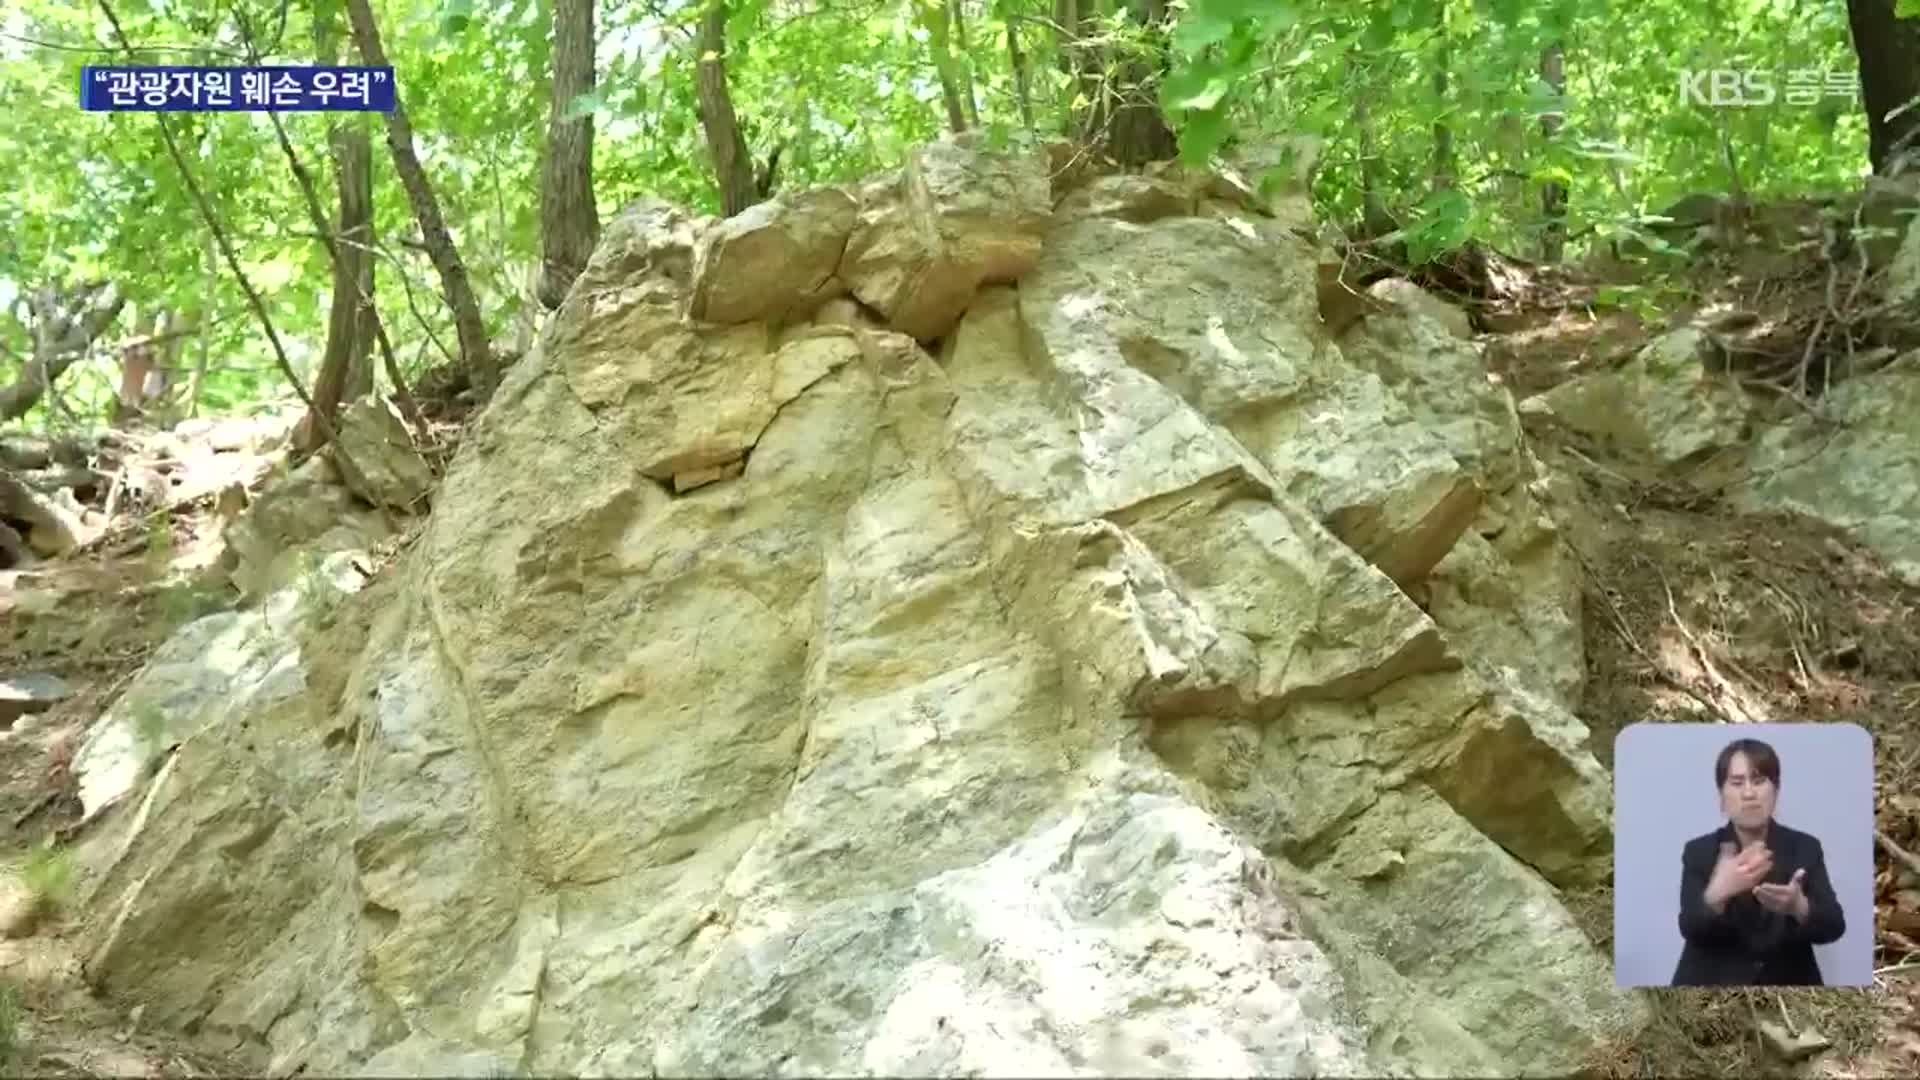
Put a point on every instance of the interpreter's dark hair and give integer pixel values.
(1759, 755)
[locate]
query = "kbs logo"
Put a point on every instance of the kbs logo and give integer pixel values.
(1725, 87)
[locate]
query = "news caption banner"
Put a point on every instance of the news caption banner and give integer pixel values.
(173, 88)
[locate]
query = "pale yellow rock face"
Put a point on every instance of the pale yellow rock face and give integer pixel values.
(380, 464)
(1860, 472)
(1507, 594)
(773, 259)
(775, 696)
(1664, 405)
(306, 513)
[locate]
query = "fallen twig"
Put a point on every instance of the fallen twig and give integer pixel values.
(1899, 854)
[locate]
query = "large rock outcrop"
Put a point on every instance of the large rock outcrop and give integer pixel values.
(1665, 406)
(771, 695)
(1857, 469)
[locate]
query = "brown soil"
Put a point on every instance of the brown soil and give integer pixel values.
(1697, 613)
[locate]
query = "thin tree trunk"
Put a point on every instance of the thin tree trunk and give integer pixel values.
(1018, 59)
(347, 322)
(569, 221)
(1888, 50)
(355, 180)
(1086, 112)
(136, 360)
(957, 19)
(475, 354)
(936, 20)
(213, 223)
(732, 165)
(318, 218)
(1139, 130)
(1553, 195)
(1375, 222)
(210, 276)
(1443, 171)
(166, 368)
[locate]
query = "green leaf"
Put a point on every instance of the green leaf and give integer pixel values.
(1231, 11)
(1196, 32)
(1198, 87)
(1202, 134)
(455, 17)
(1443, 223)
(1906, 9)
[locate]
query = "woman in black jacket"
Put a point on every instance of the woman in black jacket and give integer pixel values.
(1754, 894)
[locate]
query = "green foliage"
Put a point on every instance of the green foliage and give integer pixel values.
(1246, 72)
(842, 89)
(48, 875)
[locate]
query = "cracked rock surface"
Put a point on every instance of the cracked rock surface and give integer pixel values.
(994, 651)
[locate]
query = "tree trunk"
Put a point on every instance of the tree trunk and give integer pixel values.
(1443, 171)
(210, 278)
(569, 221)
(1072, 22)
(65, 322)
(1889, 54)
(166, 363)
(475, 353)
(1140, 132)
(1375, 221)
(732, 165)
(136, 361)
(1018, 60)
(349, 325)
(1121, 115)
(958, 18)
(937, 19)
(1553, 195)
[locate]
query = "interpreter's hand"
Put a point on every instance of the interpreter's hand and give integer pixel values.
(1788, 899)
(1737, 872)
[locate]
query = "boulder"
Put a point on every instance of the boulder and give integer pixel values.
(1114, 317)
(1859, 473)
(957, 217)
(1409, 298)
(1663, 406)
(299, 516)
(1051, 705)
(24, 693)
(773, 260)
(379, 462)
(259, 434)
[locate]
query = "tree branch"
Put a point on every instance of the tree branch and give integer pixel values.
(219, 234)
(319, 217)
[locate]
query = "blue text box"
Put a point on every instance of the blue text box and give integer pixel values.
(236, 89)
